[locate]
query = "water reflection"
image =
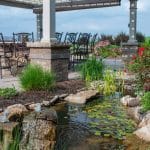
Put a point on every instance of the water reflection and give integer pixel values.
(73, 131)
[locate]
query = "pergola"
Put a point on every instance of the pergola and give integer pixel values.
(46, 52)
(45, 10)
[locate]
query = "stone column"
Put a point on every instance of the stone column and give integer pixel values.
(39, 27)
(51, 57)
(133, 21)
(48, 21)
(131, 47)
(47, 53)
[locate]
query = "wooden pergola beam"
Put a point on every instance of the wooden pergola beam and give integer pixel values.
(65, 6)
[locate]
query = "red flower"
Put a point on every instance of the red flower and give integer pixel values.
(133, 57)
(125, 70)
(131, 62)
(140, 51)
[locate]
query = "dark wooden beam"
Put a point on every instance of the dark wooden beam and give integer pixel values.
(66, 6)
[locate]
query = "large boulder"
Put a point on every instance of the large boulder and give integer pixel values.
(134, 112)
(82, 97)
(13, 113)
(34, 107)
(145, 121)
(39, 131)
(130, 101)
(7, 131)
(143, 133)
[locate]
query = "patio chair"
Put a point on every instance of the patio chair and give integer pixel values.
(6, 56)
(23, 37)
(20, 40)
(92, 42)
(5, 48)
(80, 52)
(59, 36)
(21, 50)
(7, 63)
(70, 38)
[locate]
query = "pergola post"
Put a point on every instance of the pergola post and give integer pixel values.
(131, 47)
(133, 21)
(49, 24)
(47, 52)
(39, 26)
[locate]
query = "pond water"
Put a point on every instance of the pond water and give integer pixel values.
(99, 125)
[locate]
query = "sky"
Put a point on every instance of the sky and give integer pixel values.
(102, 20)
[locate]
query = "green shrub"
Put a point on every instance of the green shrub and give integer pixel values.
(92, 69)
(146, 101)
(109, 51)
(34, 77)
(140, 37)
(105, 37)
(121, 38)
(8, 92)
(109, 85)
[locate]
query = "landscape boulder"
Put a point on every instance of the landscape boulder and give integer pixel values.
(82, 97)
(34, 107)
(14, 112)
(134, 112)
(143, 133)
(39, 130)
(145, 121)
(130, 101)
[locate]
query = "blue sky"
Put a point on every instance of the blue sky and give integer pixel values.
(103, 20)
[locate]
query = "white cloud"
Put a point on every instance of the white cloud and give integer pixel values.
(143, 5)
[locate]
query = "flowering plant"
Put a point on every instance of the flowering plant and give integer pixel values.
(140, 64)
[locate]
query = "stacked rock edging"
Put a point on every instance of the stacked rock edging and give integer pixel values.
(134, 110)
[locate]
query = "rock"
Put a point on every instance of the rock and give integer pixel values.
(1, 110)
(46, 103)
(145, 121)
(39, 131)
(143, 133)
(130, 101)
(54, 99)
(35, 107)
(15, 112)
(62, 96)
(9, 127)
(124, 100)
(7, 131)
(81, 97)
(134, 112)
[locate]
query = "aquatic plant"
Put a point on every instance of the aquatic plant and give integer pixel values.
(8, 92)
(92, 69)
(109, 86)
(34, 77)
(109, 119)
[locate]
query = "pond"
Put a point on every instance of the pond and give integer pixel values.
(101, 124)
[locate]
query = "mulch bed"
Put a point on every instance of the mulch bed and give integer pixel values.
(66, 87)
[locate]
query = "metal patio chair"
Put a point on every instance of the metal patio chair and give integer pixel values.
(58, 36)
(20, 43)
(6, 56)
(92, 42)
(21, 50)
(70, 38)
(80, 52)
